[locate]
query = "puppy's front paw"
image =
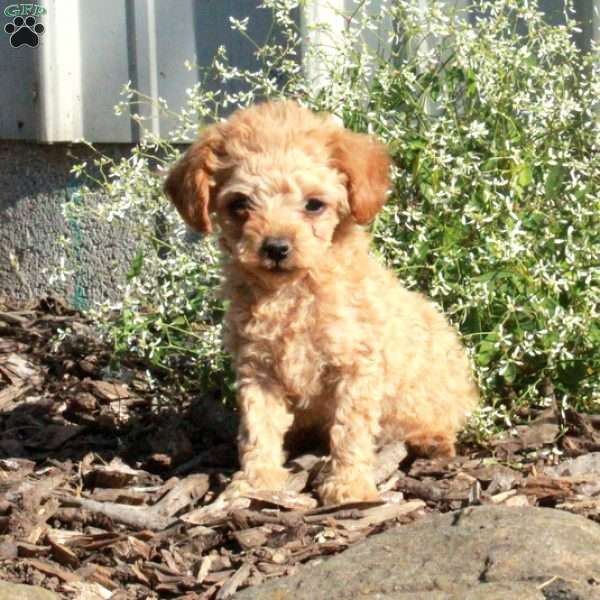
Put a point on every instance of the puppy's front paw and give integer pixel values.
(339, 489)
(267, 478)
(272, 479)
(238, 487)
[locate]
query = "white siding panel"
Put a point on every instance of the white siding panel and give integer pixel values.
(104, 69)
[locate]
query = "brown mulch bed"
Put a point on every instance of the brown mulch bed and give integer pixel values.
(109, 478)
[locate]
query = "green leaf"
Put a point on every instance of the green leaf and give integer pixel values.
(594, 333)
(554, 181)
(136, 265)
(525, 176)
(510, 373)
(522, 176)
(486, 352)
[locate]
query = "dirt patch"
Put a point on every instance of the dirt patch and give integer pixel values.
(107, 492)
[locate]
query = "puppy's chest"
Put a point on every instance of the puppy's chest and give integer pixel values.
(282, 338)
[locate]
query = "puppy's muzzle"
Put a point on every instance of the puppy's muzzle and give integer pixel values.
(277, 249)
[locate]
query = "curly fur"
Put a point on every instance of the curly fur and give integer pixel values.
(327, 340)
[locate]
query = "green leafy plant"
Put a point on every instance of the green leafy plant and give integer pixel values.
(491, 117)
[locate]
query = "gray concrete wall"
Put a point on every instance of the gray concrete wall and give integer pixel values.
(34, 184)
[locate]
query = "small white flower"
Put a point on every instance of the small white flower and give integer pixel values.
(477, 130)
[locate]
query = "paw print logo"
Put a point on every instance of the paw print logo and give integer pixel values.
(24, 32)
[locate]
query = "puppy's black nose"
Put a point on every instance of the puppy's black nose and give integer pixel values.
(276, 248)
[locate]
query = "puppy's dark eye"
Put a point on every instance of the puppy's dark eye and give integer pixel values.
(314, 205)
(238, 204)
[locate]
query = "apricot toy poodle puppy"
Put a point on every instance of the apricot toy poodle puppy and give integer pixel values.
(324, 338)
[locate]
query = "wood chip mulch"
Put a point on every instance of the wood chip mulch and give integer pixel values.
(109, 478)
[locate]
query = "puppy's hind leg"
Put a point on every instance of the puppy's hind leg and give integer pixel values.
(431, 444)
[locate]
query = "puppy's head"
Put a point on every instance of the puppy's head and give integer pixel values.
(280, 180)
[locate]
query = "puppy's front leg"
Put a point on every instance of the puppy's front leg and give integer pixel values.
(353, 434)
(265, 418)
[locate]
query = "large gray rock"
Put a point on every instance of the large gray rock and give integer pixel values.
(17, 591)
(483, 553)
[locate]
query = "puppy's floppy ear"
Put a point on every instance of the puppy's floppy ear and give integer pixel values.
(191, 181)
(366, 163)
